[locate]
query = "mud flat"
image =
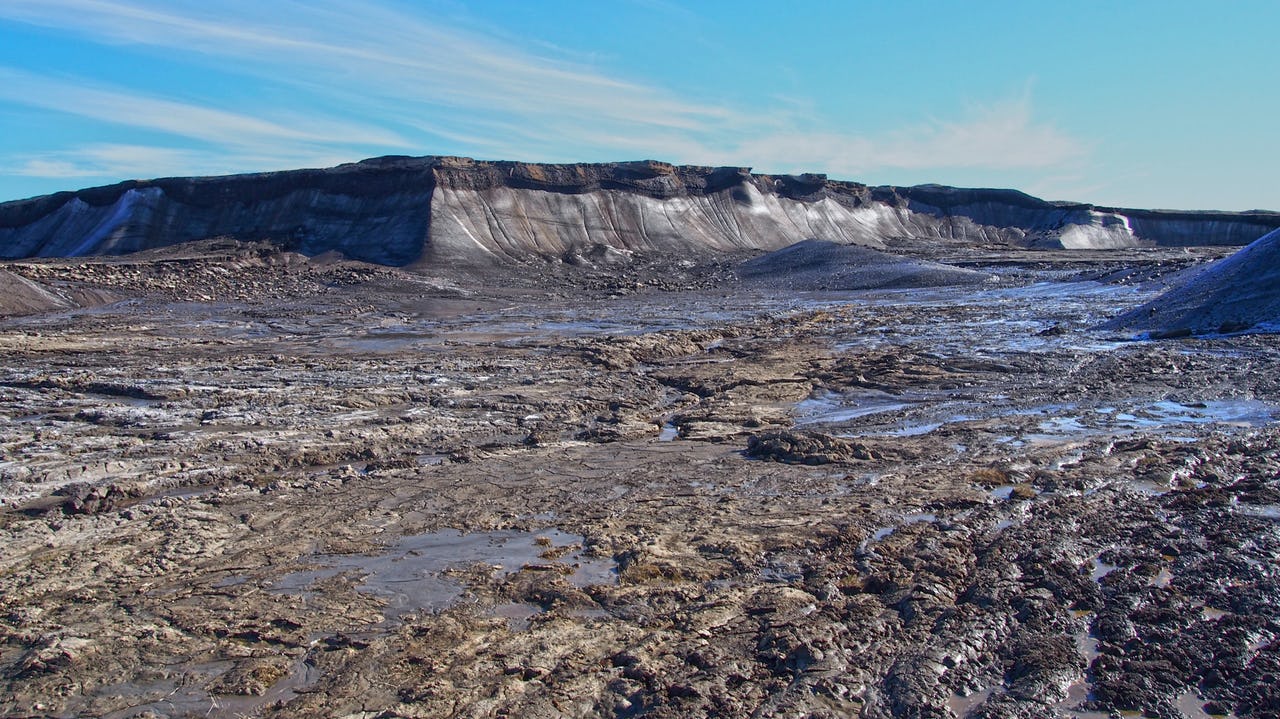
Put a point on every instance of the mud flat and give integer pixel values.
(270, 486)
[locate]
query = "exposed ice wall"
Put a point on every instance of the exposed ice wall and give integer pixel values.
(504, 223)
(1093, 230)
(401, 211)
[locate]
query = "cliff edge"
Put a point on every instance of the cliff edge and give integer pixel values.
(427, 210)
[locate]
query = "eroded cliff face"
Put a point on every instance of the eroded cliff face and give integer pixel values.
(367, 211)
(1019, 218)
(508, 223)
(405, 211)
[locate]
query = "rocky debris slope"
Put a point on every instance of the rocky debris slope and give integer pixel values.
(1237, 293)
(818, 265)
(442, 210)
(218, 270)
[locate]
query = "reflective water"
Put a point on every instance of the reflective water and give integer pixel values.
(1265, 511)
(668, 432)
(186, 693)
(961, 705)
(830, 408)
(1081, 690)
(1015, 324)
(1101, 569)
(1059, 421)
(883, 532)
(409, 574)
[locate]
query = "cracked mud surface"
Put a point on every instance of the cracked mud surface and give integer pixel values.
(349, 491)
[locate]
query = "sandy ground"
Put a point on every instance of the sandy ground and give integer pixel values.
(264, 486)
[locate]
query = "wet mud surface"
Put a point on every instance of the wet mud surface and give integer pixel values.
(353, 492)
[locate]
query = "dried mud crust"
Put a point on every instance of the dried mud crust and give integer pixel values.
(241, 509)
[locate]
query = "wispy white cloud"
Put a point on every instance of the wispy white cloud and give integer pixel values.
(178, 118)
(388, 77)
(105, 160)
(379, 50)
(1004, 135)
(122, 161)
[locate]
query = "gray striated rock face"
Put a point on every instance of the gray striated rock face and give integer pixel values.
(507, 223)
(369, 212)
(1236, 293)
(405, 211)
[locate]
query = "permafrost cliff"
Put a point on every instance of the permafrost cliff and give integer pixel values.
(406, 211)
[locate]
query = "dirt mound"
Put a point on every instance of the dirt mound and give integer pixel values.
(21, 296)
(50, 289)
(1237, 293)
(821, 265)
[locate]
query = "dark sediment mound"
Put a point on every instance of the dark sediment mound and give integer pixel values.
(805, 448)
(444, 210)
(818, 265)
(1234, 294)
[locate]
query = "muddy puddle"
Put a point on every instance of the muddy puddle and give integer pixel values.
(192, 691)
(1157, 417)
(1042, 324)
(1014, 318)
(411, 575)
(961, 705)
(668, 432)
(914, 414)
(831, 408)
(882, 533)
(1080, 691)
(1035, 317)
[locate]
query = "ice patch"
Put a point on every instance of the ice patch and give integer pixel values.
(831, 408)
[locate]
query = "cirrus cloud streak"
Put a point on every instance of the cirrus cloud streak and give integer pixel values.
(385, 80)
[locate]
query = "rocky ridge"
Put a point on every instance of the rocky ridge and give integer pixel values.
(431, 211)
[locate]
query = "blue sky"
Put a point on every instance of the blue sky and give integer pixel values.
(1143, 104)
